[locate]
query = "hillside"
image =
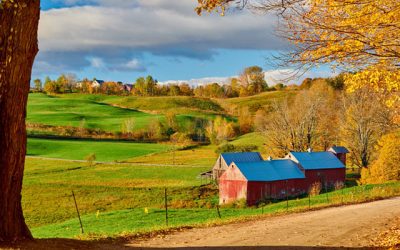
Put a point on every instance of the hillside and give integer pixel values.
(103, 112)
(108, 113)
(253, 103)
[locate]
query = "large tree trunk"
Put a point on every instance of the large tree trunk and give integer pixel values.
(18, 47)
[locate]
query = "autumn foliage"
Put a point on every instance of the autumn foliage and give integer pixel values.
(387, 166)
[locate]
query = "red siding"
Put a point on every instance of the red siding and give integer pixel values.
(326, 176)
(257, 191)
(232, 190)
(233, 185)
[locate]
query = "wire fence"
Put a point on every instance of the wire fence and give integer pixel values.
(164, 214)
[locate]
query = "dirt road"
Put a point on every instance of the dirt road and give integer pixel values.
(348, 226)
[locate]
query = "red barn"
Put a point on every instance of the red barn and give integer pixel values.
(323, 167)
(256, 181)
(253, 179)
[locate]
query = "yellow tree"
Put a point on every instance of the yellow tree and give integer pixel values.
(356, 35)
(386, 167)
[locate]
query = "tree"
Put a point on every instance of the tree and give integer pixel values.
(252, 81)
(245, 120)
(38, 85)
(293, 126)
(151, 86)
(128, 126)
(354, 32)
(357, 35)
(366, 118)
(386, 167)
(18, 47)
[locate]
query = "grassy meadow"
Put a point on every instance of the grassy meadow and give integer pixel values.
(104, 187)
(69, 110)
(79, 149)
(108, 113)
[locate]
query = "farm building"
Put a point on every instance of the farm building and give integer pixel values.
(340, 153)
(323, 167)
(97, 83)
(225, 159)
(254, 179)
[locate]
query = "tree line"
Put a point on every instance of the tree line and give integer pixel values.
(250, 82)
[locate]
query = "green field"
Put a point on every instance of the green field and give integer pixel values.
(105, 187)
(108, 113)
(79, 149)
(164, 103)
(68, 110)
(253, 103)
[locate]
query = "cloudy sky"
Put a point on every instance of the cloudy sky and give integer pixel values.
(121, 40)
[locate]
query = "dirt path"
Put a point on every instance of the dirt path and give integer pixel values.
(351, 227)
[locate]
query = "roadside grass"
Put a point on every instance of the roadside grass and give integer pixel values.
(47, 187)
(79, 149)
(132, 221)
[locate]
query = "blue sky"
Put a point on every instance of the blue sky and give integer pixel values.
(123, 39)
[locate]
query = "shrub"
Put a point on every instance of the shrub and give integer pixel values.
(315, 189)
(339, 185)
(227, 147)
(91, 158)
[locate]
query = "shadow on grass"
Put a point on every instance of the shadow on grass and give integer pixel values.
(47, 244)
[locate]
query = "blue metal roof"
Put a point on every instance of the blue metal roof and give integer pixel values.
(241, 157)
(317, 160)
(273, 170)
(339, 150)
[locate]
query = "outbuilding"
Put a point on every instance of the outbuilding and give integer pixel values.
(225, 159)
(256, 181)
(323, 167)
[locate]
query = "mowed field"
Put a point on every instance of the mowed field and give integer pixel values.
(80, 149)
(108, 113)
(48, 185)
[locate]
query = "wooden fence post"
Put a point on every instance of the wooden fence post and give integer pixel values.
(166, 206)
(219, 213)
(77, 211)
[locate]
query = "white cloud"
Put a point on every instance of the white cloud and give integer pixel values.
(96, 62)
(272, 77)
(151, 25)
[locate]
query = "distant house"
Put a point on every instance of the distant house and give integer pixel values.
(225, 159)
(255, 181)
(127, 87)
(247, 176)
(97, 83)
